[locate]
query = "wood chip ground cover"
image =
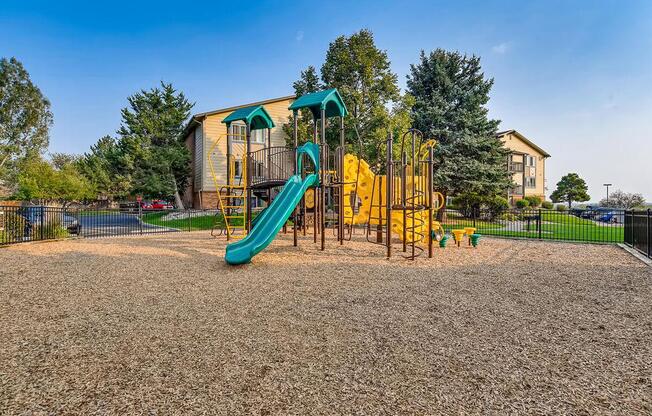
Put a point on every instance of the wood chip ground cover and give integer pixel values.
(160, 325)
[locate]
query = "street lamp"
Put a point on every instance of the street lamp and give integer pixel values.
(607, 185)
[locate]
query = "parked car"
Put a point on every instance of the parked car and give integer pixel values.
(158, 205)
(34, 217)
(128, 206)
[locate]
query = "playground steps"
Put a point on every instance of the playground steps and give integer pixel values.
(232, 203)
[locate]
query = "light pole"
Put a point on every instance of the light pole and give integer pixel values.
(607, 185)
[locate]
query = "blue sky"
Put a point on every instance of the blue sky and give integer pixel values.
(574, 76)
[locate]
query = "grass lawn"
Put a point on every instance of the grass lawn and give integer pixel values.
(196, 222)
(555, 226)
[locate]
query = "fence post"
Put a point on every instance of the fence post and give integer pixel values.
(539, 221)
(140, 218)
(649, 234)
(42, 222)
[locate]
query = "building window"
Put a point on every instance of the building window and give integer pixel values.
(238, 133)
(258, 136)
(530, 161)
(238, 168)
(530, 182)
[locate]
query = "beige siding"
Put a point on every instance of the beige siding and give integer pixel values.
(515, 144)
(215, 130)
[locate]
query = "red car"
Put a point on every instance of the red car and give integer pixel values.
(158, 205)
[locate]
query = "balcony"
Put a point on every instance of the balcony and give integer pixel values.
(515, 167)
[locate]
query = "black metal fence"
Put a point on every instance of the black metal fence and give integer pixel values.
(35, 223)
(594, 226)
(638, 231)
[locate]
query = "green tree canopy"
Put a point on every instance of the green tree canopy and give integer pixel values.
(40, 180)
(361, 72)
(450, 96)
(153, 155)
(25, 116)
(571, 188)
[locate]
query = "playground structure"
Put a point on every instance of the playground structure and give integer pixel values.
(311, 186)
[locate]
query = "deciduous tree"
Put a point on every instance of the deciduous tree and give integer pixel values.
(25, 116)
(361, 72)
(625, 200)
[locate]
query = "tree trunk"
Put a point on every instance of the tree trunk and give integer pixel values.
(569, 204)
(177, 197)
(4, 160)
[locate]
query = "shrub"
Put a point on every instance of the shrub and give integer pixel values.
(547, 204)
(496, 205)
(561, 207)
(534, 200)
(468, 204)
(14, 227)
(522, 203)
(509, 216)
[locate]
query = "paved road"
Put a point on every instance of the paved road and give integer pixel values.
(116, 223)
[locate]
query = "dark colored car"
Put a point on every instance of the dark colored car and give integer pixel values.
(34, 218)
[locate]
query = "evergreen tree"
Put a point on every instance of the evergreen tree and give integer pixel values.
(451, 93)
(153, 155)
(103, 167)
(571, 188)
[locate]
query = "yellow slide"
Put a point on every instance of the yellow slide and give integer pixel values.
(368, 186)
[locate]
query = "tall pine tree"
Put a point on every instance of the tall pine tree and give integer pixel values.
(153, 152)
(451, 93)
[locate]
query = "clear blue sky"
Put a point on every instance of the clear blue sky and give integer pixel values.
(574, 76)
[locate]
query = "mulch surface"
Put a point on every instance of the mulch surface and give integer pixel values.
(161, 325)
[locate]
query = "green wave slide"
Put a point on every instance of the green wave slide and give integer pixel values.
(271, 220)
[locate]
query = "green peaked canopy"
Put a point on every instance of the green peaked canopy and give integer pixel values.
(329, 100)
(255, 116)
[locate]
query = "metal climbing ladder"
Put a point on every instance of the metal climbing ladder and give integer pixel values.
(232, 195)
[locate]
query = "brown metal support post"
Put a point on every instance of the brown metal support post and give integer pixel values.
(296, 169)
(340, 208)
(404, 197)
(429, 187)
(413, 195)
(269, 164)
(379, 227)
(322, 186)
(248, 179)
(390, 195)
(315, 189)
(227, 212)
